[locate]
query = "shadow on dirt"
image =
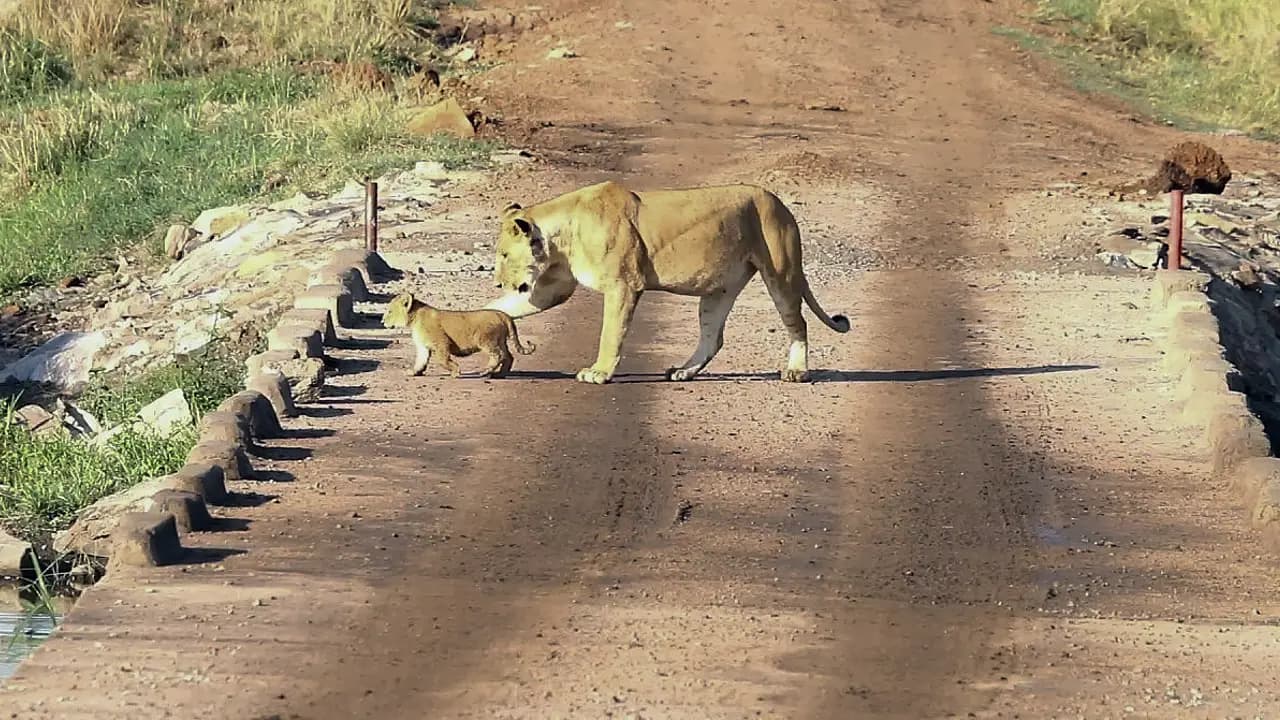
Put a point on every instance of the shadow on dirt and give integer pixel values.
(828, 376)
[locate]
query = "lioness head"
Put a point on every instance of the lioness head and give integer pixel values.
(522, 252)
(397, 314)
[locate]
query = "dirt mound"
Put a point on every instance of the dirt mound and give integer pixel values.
(1192, 167)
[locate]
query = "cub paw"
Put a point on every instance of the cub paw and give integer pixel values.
(795, 376)
(593, 376)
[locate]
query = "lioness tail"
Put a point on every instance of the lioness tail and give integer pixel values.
(515, 337)
(839, 323)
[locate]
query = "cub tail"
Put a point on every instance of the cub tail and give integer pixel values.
(515, 337)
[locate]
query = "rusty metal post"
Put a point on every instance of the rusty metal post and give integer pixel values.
(370, 215)
(1176, 202)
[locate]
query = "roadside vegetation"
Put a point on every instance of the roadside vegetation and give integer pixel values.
(46, 479)
(119, 117)
(1204, 64)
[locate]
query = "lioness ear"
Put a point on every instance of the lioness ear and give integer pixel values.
(511, 208)
(524, 226)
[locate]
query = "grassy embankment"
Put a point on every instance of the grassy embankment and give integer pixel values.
(1200, 64)
(119, 117)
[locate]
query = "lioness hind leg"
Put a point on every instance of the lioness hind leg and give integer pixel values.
(787, 299)
(713, 312)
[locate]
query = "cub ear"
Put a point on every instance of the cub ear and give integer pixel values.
(524, 226)
(511, 208)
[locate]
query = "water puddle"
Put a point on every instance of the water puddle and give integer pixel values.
(21, 629)
(20, 635)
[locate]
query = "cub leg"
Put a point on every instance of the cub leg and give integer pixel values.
(499, 360)
(421, 359)
(447, 361)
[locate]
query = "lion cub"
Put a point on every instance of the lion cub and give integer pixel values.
(455, 333)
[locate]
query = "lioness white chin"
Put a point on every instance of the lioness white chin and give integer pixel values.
(705, 242)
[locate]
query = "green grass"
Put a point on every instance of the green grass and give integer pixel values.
(28, 67)
(206, 380)
(107, 168)
(45, 481)
(1200, 64)
(48, 480)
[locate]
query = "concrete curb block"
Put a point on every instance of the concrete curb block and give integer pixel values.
(145, 539)
(253, 407)
(274, 386)
(1171, 282)
(334, 298)
(1252, 476)
(306, 340)
(187, 508)
(1239, 449)
(204, 479)
(370, 264)
(315, 318)
(1266, 514)
(226, 426)
(348, 276)
(1204, 376)
(1188, 301)
(255, 364)
(230, 457)
(1235, 435)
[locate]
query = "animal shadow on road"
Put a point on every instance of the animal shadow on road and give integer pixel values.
(828, 376)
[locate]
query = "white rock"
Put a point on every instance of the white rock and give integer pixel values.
(167, 414)
(63, 362)
(195, 333)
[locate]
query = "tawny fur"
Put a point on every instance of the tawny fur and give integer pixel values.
(704, 242)
(449, 334)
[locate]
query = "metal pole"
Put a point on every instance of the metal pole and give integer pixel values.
(1176, 200)
(370, 215)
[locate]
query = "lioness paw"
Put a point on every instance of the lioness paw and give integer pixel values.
(681, 374)
(593, 376)
(796, 376)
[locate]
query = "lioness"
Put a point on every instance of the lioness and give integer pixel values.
(706, 242)
(455, 333)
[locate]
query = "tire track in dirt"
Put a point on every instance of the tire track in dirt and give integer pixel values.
(562, 476)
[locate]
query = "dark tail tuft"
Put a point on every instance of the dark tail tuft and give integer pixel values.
(842, 323)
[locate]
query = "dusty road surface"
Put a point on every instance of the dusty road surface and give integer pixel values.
(983, 507)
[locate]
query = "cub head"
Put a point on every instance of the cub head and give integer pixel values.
(522, 252)
(397, 314)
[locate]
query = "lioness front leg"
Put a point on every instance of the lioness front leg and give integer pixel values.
(619, 305)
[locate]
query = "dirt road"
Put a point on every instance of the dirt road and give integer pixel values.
(982, 508)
